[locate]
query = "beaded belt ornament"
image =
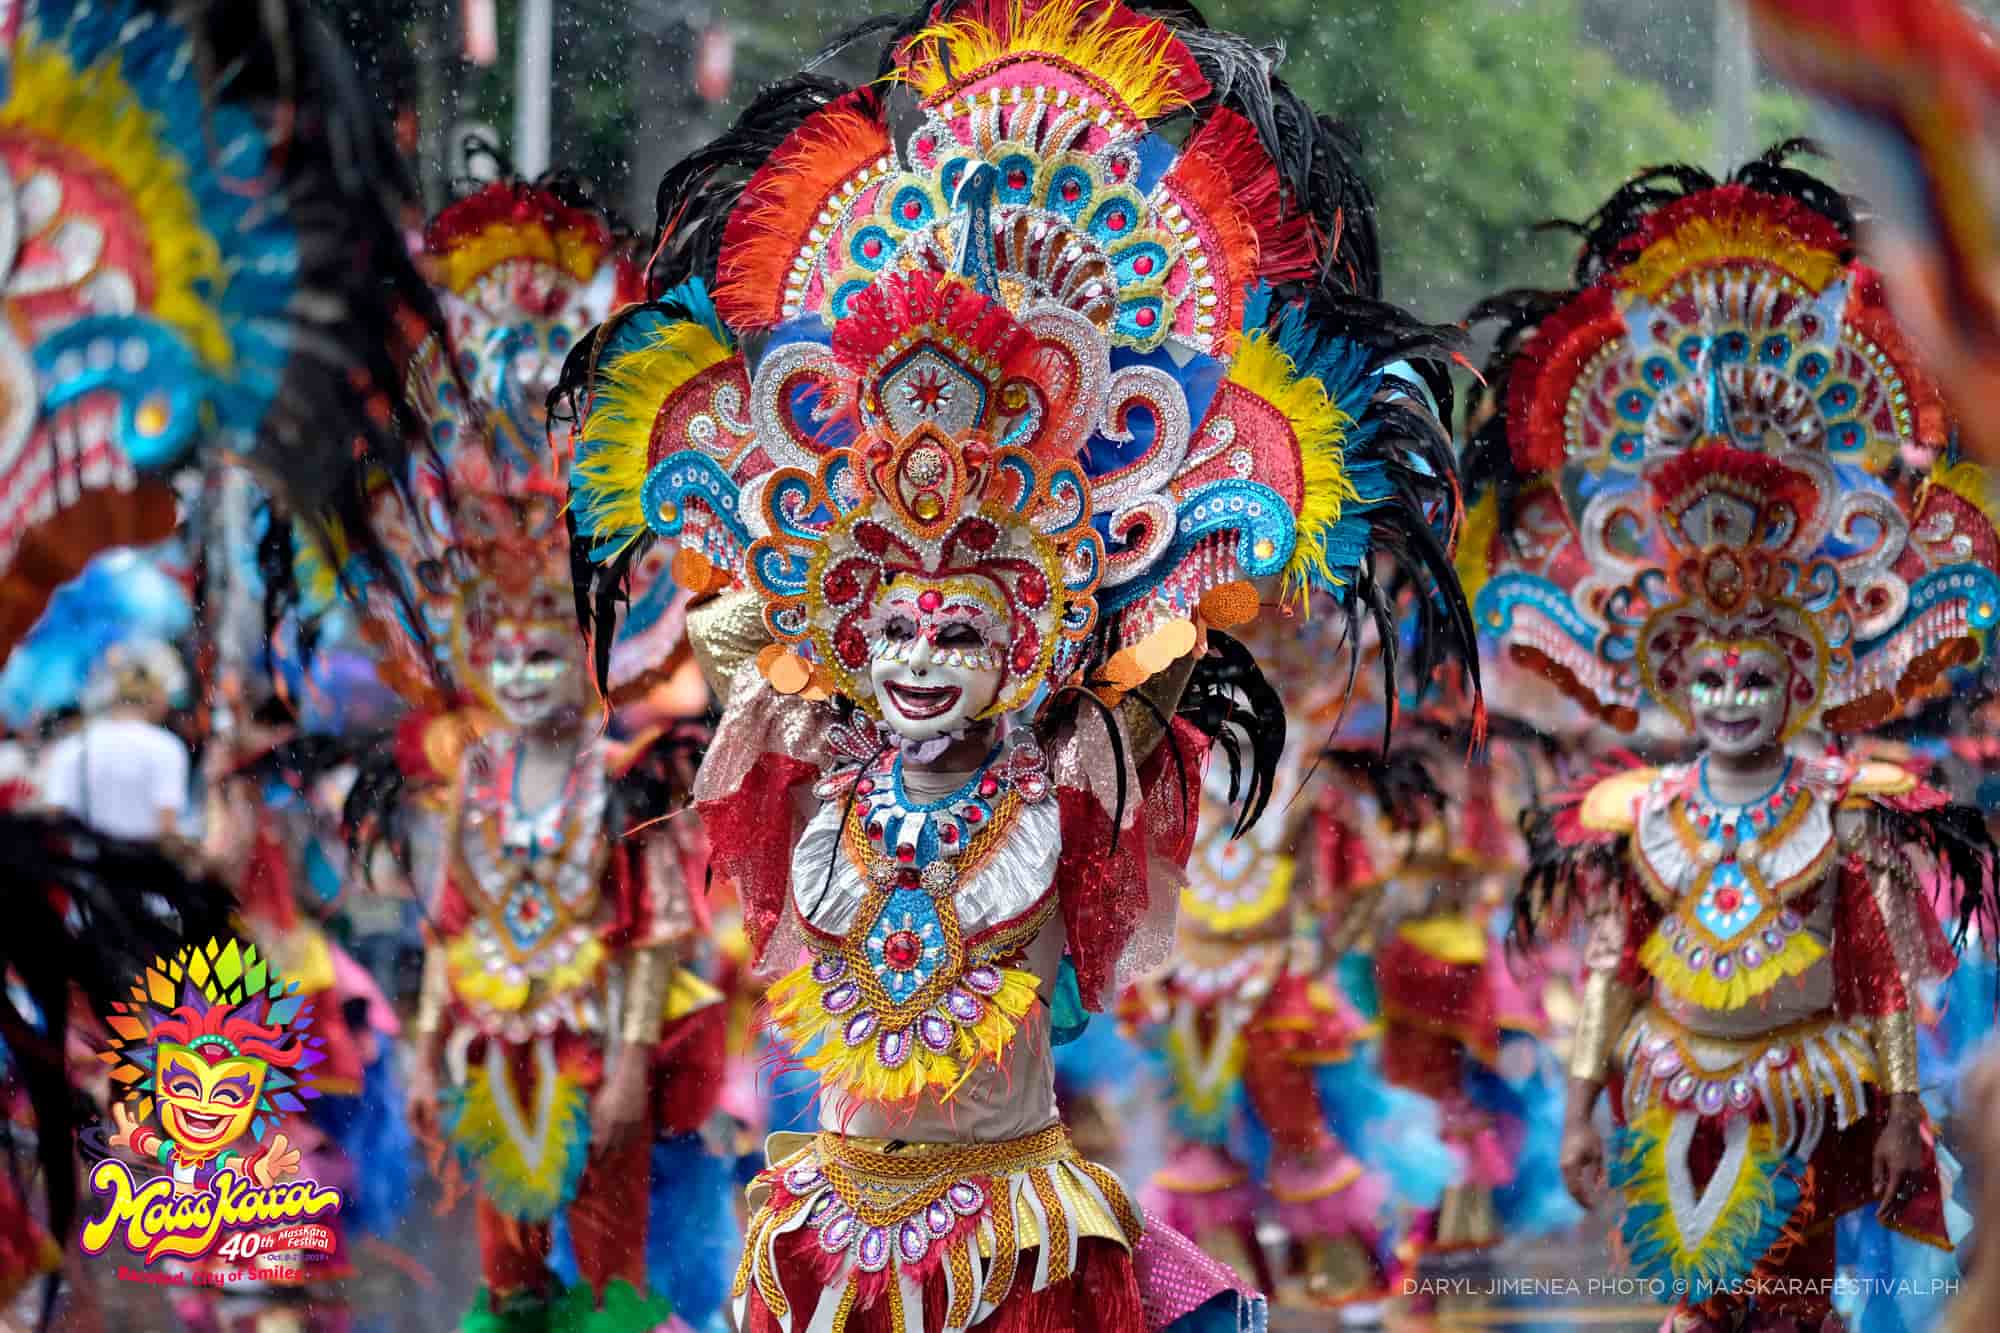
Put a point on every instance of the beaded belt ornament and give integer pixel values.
(890, 1218)
(1785, 1077)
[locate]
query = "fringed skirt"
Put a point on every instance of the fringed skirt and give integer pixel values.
(1737, 1157)
(856, 1235)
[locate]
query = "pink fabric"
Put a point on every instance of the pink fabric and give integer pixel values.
(1350, 1210)
(1176, 1278)
(1210, 1191)
(1486, 1162)
(351, 980)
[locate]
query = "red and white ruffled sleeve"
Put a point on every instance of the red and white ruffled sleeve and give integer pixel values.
(754, 792)
(1119, 893)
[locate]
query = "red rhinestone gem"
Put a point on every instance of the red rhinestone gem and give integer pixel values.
(1728, 900)
(949, 833)
(926, 144)
(912, 209)
(988, 785)
(1017, 179)
(902, 950)
(865, 786)
(871, 247)
(1071, 190)
(1143, 265)
(1116, 222)
(930, 599)
(906, 853)
(972, 815)
(909, 879)
(1145, 318)
(875, 831)
(1119, 168)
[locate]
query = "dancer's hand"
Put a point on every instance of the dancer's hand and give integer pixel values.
(619, 1108)
(1582, 1160)
(1900, 1152)
(420, 1099)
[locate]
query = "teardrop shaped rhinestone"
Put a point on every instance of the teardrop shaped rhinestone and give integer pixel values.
(1740, 1093)
(1666, 1064)
(965, 1198)
(1682, 1087)
(1708, 1101)
(935, 1032)
(803, 1177)
(913, 1242)
(1723, 966)
(964, 1007)
(859, 1028)
(893, 1048)
(841, 998)
(828, 967)
(838, 1231)
(872, 1254)
(1752, 955)
(982, 980)
(938, 1218)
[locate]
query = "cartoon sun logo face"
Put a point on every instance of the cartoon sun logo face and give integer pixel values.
(208, 1093)
(216, 1042)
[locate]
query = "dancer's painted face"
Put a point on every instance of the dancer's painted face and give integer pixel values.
(205, 1106)
(536, 672)
(939, 653)
(1737, 696)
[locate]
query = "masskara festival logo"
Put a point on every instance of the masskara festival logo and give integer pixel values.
(209, 1057)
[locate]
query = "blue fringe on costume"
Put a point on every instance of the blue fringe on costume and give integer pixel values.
(1535, 1202)
(370, 1132)
(1388, 1129)
(1890, 1283)
(691, 1231)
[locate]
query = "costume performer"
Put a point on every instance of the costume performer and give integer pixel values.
(554, 999)
(1693, 444)
(1248, 1014)
(201, 245)
(1020, 432)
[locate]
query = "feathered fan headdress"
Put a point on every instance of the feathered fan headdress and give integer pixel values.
(996, 248)
(1712, 438)
(201, 251)
(476, 528)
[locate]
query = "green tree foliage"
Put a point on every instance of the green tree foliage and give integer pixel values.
(1477, 121)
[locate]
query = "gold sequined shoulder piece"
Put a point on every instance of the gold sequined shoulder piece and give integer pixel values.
(1611, 805)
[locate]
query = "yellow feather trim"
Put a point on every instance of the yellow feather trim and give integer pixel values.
(1701, 242)
(577, 251)
(1653, 1239)
(1319, 430)
(93, 114)
(1475, 543)
(525, 1180)
(1742, 986)
(478, 984)
(1274, 894)
(1131, 62)
(1454, 939)
(613, 455)
(803, 1022)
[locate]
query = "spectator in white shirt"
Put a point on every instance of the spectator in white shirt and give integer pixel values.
(121, 772)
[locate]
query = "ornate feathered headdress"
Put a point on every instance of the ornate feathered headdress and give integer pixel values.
(476, 528)
(1719, 436)
(200, 249)
(1146, 370)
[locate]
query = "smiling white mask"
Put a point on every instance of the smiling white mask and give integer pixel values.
(937, 658)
